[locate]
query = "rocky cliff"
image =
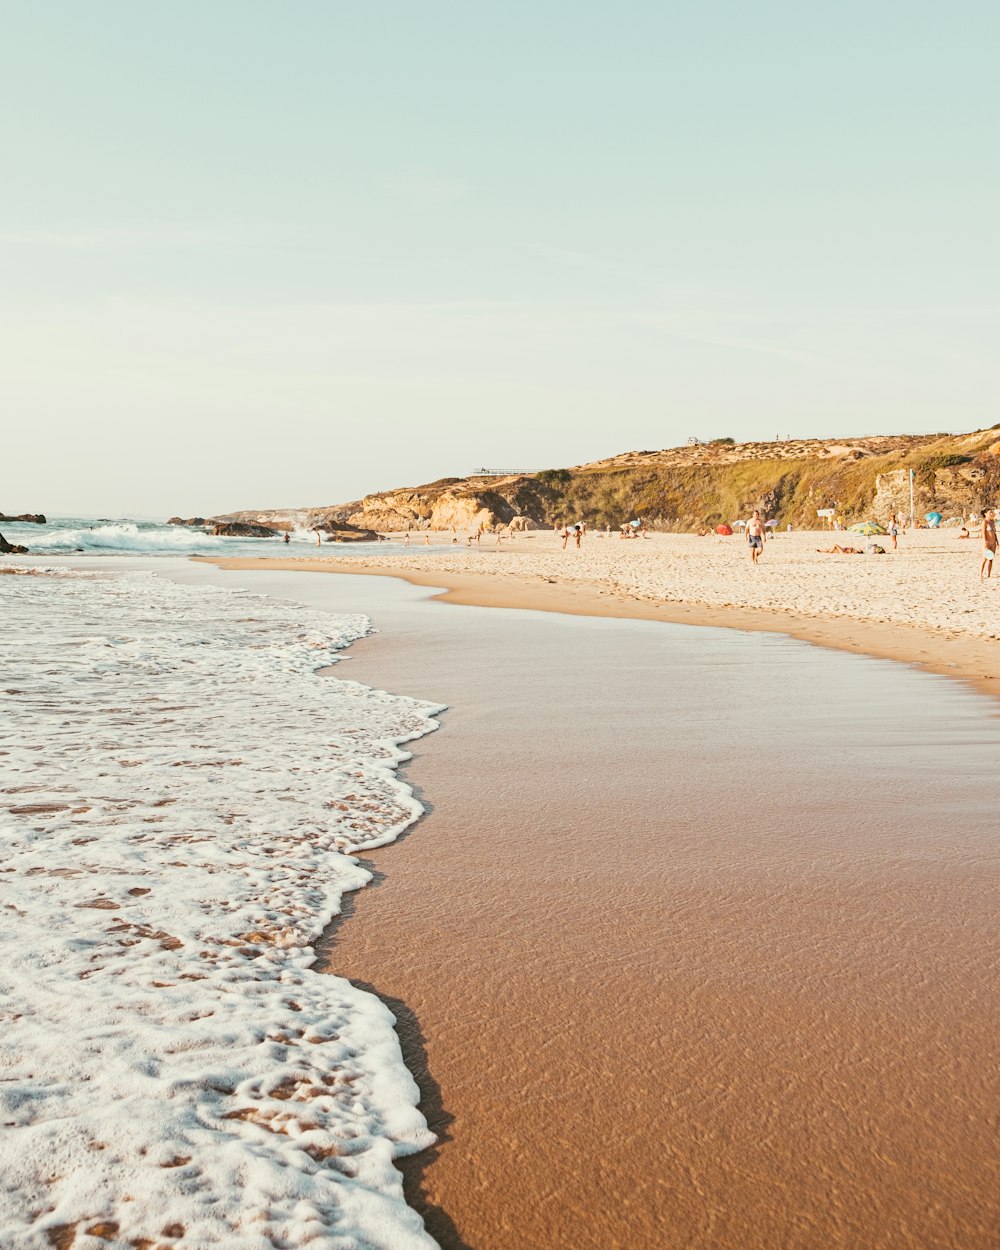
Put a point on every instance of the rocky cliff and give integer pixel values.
(691, 487)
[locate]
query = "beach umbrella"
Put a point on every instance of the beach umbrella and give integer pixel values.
(723, 529)
(636, 524)
(866, 527)
(770, 524)
(933, 519)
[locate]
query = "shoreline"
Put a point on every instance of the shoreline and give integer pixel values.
(974, 661)
(742, 1000)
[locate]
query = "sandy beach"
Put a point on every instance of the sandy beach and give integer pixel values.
(923, 604)
(656, 995)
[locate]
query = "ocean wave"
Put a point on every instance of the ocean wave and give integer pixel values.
(182, 794)
(124, 536)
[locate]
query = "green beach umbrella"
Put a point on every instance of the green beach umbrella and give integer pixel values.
(866, 527)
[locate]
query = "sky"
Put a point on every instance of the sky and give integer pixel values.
(279, 254)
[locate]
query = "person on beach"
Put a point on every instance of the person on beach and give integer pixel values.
(406, 538)
(286, 539)
(564, 536)
(893, 530)
(989, 533)
(839, 551)
(756, 534)
(577, 534)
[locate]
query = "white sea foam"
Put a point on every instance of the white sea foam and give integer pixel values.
(121, 536)
(180, 793)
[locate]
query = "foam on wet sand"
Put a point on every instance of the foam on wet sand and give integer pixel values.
(182, 793)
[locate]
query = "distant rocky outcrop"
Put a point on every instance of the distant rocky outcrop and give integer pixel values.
(243, 529)
(193, 520)
(27, 518)
(11, 549)
(702, 484)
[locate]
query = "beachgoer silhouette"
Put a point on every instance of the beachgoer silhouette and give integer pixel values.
(989, 533)
(756, 535)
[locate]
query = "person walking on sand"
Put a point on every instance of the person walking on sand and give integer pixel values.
(577, 534)
(893, 530)
(565, 536)
(989, 532)
(756, 534)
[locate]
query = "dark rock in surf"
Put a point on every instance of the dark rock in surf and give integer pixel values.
(242, 529)
(12, 549)
(345, 533)
(27, 518)
(194, 520)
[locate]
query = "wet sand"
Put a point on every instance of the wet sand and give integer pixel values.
(948, 641)
(697, 943)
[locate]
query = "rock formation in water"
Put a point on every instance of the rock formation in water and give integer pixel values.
(26, 518)
(243, 529)
(341, 532)
(7, 548)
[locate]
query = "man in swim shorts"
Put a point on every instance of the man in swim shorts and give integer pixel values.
(756, 534)
(989, 543)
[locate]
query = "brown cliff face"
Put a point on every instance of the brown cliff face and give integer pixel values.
(695, 486)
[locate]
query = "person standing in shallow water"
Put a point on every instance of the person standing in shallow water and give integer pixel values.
(756, 534)
(989, 543)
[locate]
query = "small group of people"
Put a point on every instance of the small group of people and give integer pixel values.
(576, 532)
(634, 529)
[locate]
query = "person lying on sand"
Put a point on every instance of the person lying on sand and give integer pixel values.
(839, 551)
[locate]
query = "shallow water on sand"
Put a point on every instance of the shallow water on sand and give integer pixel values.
(697, 945)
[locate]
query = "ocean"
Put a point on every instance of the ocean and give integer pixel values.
(183, 796)
(74, 535)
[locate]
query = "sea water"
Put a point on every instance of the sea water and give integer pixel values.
(72, 535)
(181, 792)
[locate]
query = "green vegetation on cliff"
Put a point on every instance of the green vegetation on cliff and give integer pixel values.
(952, 474)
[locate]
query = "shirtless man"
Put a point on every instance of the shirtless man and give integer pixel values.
(989, 534)
(756, 534)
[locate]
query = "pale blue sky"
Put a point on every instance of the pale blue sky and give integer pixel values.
(258, 254)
